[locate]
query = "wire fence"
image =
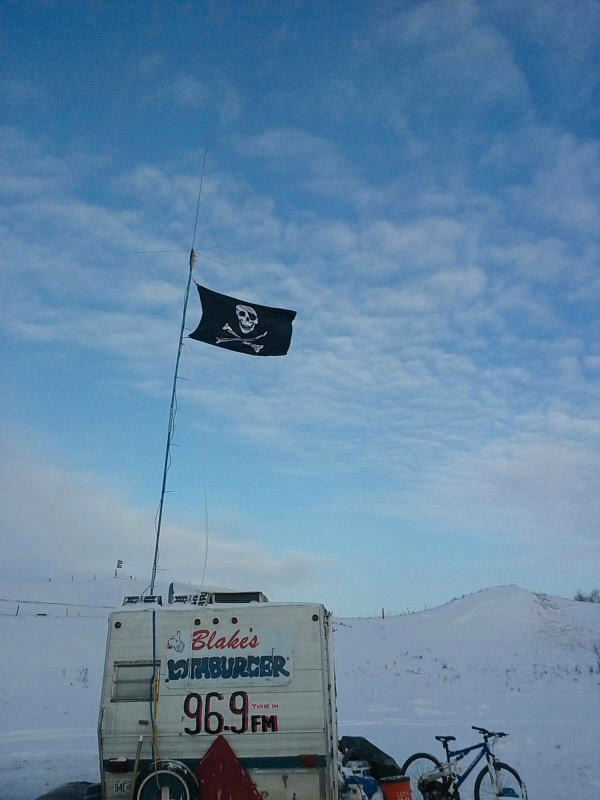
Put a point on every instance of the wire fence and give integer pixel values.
(41, 608)
(74, 578)
(14, 606)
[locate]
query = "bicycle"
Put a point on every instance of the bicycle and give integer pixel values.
(434, 780)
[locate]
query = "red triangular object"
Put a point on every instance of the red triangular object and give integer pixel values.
(222, 776)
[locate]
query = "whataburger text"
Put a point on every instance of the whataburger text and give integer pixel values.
(253, 658)
(232, 668)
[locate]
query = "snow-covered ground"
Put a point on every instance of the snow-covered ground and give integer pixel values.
(503, 659)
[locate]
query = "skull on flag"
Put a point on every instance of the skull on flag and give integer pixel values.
(247, 318)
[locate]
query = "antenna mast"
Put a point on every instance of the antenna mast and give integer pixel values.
(173, 409)
(171, 423)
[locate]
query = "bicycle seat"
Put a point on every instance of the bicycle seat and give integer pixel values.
(443, 739)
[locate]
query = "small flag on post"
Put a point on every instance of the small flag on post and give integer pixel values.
(119, 564)
(245, 327)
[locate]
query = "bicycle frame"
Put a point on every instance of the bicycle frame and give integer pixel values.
(454, 756)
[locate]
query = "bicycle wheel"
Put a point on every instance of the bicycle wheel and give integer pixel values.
(415, 767)
(509, 780)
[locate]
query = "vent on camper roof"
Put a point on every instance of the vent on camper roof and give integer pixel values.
(201, 599)
(239, 597)
(132, 599)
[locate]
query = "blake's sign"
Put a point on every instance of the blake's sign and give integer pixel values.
(251, 657)
(211, 640)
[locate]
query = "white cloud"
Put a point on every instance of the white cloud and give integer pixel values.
(592, 362)
(457, 285)
(546, 260)
(27, 170)
(564, 423)
(313, 161)
(187, 91)
(565, 189)
(525, 489)
(228, 101)
(455, 60)
(563, 42)
(156, 293)
(58, 521)
(429, 241)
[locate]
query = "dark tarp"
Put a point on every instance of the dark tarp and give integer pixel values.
(68, 791)
(357, 748)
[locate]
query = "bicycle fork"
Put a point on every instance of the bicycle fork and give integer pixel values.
(497, 787)
(494, 780)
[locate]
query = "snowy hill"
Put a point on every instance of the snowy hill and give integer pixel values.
(503, 658)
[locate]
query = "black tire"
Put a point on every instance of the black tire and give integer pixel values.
(415, 767)
(179, 779)
(509, 780)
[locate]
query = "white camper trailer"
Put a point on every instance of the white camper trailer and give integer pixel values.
(224, 669)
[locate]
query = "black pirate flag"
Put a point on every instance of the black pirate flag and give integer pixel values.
(244, 327)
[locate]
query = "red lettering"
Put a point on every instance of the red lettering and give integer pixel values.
(204, 639)
(198, 640)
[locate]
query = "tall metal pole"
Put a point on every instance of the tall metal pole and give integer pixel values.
(171, 421)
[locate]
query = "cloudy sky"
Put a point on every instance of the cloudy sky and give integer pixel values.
(420, 181)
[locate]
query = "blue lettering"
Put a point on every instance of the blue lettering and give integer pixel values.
(266, 667)
(227, 667)
(240, 668)
(177, 669)
(199, 668)
(279, 667)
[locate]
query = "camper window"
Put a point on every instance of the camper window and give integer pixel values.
(132, 680)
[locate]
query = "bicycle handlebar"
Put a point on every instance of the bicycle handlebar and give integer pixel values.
(487, 733)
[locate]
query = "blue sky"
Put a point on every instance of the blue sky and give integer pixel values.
(420, 181)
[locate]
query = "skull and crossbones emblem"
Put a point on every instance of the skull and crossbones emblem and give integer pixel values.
(247, 320)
